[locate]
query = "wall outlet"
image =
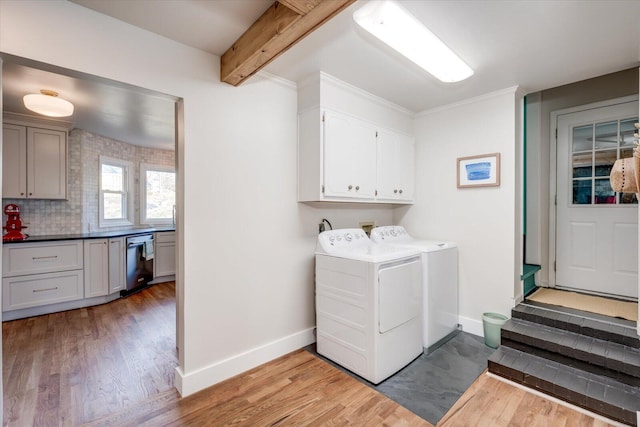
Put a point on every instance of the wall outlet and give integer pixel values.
(367, 226)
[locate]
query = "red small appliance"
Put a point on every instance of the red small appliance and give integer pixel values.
(14, 224)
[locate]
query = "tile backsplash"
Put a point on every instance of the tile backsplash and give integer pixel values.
(79, 214)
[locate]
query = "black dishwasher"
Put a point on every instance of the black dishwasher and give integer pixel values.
(140, 254)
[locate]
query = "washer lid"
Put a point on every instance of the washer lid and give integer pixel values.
(353, 243)
(397, 235)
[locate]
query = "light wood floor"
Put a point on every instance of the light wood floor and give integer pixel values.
(113, 365)
(76, 366)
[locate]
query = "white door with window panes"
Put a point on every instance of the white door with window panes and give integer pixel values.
(596, 228)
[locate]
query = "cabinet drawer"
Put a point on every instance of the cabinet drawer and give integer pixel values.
(166, 237)
(41, 289)
(24, 258)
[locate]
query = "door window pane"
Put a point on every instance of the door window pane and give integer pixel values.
(627, 199)
(582, 138)
(604, 194)
(606, 135)
(604, 161)
(627, 129)
(595, 148)
(626, 153)
(582, 165)
(582, 192)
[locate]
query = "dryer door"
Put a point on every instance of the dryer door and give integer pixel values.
(400, 294)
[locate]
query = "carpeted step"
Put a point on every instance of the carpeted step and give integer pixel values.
(597, 356)
(580, 322)
(596, 393)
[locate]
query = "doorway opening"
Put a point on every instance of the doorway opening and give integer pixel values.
(138, 126)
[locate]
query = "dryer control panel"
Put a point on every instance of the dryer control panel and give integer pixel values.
(333, 240)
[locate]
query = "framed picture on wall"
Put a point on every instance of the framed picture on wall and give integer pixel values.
(479, 171)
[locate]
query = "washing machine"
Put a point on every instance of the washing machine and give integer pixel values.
(440, 282)
(368, 303)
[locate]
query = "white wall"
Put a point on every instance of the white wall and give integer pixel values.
(483, 221)
(246, 246)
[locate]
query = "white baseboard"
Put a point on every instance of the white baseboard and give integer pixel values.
(471, 326)
(205, 377)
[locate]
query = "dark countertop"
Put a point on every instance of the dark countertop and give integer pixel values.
(96, 235)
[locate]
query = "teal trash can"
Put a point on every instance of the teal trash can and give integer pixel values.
(492, 324)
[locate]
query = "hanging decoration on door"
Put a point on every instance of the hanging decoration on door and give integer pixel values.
(625, 173)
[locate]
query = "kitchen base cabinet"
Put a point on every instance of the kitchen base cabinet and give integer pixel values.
(96, 268)
(164, 265)
(116, 265)
(52, 276)
(49, 307)
(40, 289)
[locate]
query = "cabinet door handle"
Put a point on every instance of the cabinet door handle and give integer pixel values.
(45, 257)
(22, 194)
(47, 289)
(357, 187)
(400, 191)
(395, 191)
(350, 187)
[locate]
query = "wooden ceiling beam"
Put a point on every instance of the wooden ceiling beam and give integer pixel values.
(285, 23)
(301, 7)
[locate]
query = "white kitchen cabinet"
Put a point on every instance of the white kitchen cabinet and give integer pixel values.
(116, 264)
(34, 163)
(96, 267)
(41, 274)
(14, 161)
(165, 254)
(35, 290)
(22, 259)
(396, 166)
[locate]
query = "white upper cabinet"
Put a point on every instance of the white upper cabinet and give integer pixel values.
(34, 162)
(46, 164)
(349, 157)
(396, 166)
(352, 146)
(14, 161)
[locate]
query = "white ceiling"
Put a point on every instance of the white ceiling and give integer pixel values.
(535, 44)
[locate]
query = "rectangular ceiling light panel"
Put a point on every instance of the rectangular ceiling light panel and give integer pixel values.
(395, 26)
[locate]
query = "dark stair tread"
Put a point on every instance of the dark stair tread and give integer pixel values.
(607, 354)
(599, 394)
(582, 322)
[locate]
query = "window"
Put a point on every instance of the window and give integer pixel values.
(115, 192)
(157, 194)
(595, 148)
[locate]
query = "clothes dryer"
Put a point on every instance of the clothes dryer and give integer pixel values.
(368, 303)
(440, 282)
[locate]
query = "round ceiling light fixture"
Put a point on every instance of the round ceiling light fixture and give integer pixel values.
(47, 103)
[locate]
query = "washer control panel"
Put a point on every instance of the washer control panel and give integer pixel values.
(333, 240)
(390, 233)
